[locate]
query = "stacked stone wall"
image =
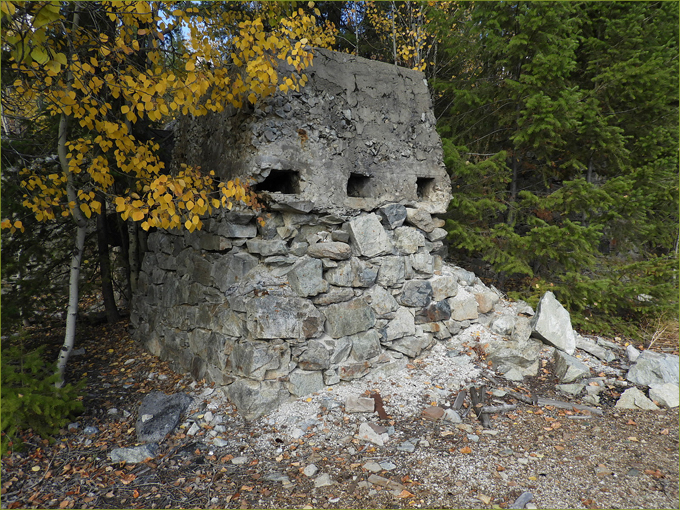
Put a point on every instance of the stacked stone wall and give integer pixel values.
(280, 310)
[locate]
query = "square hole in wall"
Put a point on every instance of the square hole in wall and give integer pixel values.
(424, 187)
(283, 181)
(357, 185)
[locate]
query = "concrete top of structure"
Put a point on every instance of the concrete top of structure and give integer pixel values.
(359, 135)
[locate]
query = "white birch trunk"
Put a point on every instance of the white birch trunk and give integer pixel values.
(81, 224)
(72, 313)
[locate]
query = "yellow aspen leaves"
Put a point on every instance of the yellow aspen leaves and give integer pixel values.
(107, 82)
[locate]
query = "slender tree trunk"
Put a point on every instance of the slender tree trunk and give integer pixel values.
(125, 254)
(81, 224)
(105, 265)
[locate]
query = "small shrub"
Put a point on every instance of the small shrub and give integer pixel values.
(30, 399)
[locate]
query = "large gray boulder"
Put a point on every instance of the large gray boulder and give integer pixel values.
(159, 414)
(654, 368)
(552, 324)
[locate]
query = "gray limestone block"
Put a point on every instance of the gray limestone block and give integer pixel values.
(552, 324)
(199, 340)
(227, 322)
(403, 324)
(380, 300)
(235, 230)
(434, 312)
(315, 357)
(568, 368)
(521, 330)
(437, 235)
(232, 268)
(331, 377)
(420, 219)
(416, 293)
(348, 318)
(352, 273)
(503, 325)
(340, 236)
(331, 250)
(392, 215)
(519, 354)
(341, 349)
(304, 382)
(270, 317)
(219, 349)
(408, 240)
(236, 216)
(486, 301)
(422, 262)
(365, 345)
(392, 271)
(202, 271)
(412, 346)
(443, 287)
(306, 277)
(256, 398)
(369, 236)
(252, 359)
(267, 248)
(165, 261)
(159, 414)
(654, 368)
(333, 295)
(351, 371)
(463, 306)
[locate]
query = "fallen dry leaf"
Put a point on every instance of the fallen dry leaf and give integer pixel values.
(405, 494)
(465, 449)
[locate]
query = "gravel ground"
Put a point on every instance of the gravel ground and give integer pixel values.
(307, 454)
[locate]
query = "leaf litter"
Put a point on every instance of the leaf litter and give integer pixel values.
(563, 463)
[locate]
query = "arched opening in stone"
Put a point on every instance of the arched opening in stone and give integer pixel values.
(424, 187)
(282, 181)
(357, 185)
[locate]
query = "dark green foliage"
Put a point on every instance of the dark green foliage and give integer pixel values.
(560, 130)
(30, 399)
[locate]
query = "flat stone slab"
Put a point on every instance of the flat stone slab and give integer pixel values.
(135, 454)
(633, 398)
(159, 414)
(552, 324)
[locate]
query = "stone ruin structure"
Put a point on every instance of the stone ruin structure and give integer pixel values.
(345, 277)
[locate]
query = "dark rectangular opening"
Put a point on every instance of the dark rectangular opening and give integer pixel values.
(424, 187)
(357, 185)
(282, 181)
